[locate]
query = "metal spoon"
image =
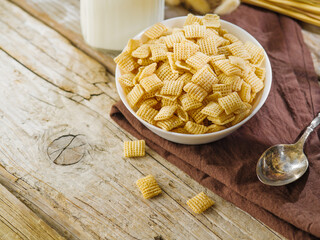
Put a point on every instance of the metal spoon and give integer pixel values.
(284, 163)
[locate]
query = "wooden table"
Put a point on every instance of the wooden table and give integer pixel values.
(54, 108)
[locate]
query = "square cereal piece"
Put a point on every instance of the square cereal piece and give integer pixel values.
(200, 203)
(174, 38)
(156, 31)
(224, 89)
(182, 114)
(172, 64)
(172, 87)
(211, 21)
(148, 187)
(209, 33)
(142, 51)
(169, 97)
(148, 70)
(237, 84)
(205, 78)
(215, 128)
(230, 103)
(195, 91)
(256, 53)
(180, 130)
(147, 113)
(213, 97)
(195, 128)
(198, 60)
(220, 41)
(135, 95)
(186, 77)
(225, 79)
(168, 102)
(144, 61)
(227, 67)
(132, 45)
(260, 72)
(194, 31)
(126, 80)
(136, 78)
(208, 46)
(164, 72)
(212, 109)
(165, 112)
(170, 123)
(245, 106)
(239, 117)
(232, 38)
(126, 62)
(134, 148)
(239, 62)
(182, 66)
(191, 19)
(184, 50)
(158, 52)
(197, 115)
(237, 49)
(255, 82)
(151, 102)
(189, 103)
(223, 50)
(245, 92)
(151, 83)
(222, 119)
(216, 58)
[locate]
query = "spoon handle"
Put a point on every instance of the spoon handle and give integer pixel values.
(315, 122)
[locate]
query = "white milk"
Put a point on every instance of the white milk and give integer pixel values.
(108, 24)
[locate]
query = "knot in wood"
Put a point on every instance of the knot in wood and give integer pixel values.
(67, 149)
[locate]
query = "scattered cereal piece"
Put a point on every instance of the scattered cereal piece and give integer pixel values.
(148, 187)
(200, 203)
(134, 148)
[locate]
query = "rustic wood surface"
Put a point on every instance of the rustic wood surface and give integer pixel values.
(18, 222)
(61, 154)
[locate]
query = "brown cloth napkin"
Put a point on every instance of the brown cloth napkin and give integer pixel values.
(227, 166)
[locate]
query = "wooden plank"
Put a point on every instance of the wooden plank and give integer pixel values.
(19, 222)
(96, 197)
(63, 16)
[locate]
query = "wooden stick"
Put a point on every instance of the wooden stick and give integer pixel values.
(297, 5)
(287, 12)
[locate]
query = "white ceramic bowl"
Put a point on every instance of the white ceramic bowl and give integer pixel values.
(208, 137)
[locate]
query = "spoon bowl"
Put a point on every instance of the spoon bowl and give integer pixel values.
(284, 163)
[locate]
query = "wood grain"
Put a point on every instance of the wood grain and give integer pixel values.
(19, 222)
(49, 89)
(63, 16)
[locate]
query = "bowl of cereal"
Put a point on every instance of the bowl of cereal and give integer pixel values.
(193, 80)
